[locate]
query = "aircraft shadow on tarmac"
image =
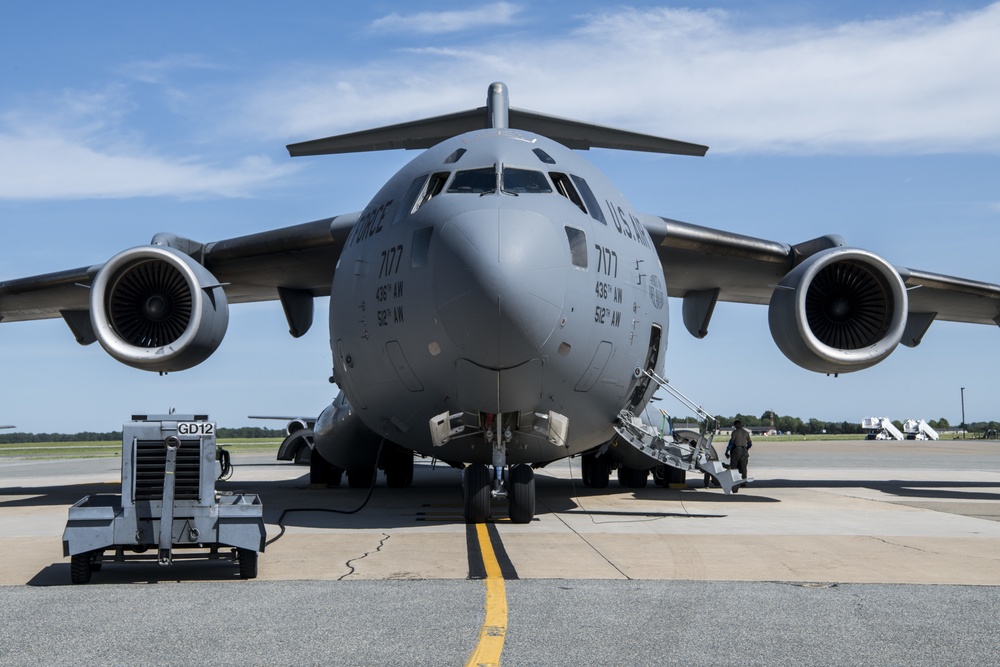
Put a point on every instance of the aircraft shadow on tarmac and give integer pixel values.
(904, 489)
(435, 499)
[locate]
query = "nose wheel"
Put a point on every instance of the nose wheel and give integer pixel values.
(476, 492)
(518, 484)
(521, 499)
(482, 484)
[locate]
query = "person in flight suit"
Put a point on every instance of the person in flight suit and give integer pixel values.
(738, 451)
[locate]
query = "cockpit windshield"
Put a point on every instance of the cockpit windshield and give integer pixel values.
(524, 181)
(515, 181)
(475, 181)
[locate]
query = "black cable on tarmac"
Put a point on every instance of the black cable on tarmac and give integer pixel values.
(281, 519)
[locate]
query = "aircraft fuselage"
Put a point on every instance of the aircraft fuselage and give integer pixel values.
(501, 279)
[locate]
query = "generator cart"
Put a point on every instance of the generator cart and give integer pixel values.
(168, 503)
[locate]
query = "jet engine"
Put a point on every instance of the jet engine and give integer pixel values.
(157, 309)
(840, 310)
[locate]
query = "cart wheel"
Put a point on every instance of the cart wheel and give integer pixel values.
(80, 568)
(248, 563)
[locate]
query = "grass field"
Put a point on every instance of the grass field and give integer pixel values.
(109, 449)
(113, 449)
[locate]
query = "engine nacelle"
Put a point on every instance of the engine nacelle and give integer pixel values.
(841, 310)
(157, 309)
(298, 424)
(342, 438)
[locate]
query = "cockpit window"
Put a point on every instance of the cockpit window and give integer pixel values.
(590, 199)
(524, 181)
(564, 186)
(455, 156)
(543, 156)
(475, 181)
(409, 203)
(430, 190)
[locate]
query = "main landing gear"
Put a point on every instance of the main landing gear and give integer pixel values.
(481, 484)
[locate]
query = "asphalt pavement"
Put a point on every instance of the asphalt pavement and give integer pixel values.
(838, 554)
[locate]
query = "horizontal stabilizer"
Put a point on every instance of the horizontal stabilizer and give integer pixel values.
(412, 135)
(425, 133)
(584, 136)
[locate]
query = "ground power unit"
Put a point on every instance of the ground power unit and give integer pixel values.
(169, 507)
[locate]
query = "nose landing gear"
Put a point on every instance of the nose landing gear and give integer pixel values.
(481, 485)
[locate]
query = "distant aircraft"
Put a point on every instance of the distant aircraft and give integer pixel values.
(298, 443)
(2, 427)
(498, 305)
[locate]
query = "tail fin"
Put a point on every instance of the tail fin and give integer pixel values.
(428, 132)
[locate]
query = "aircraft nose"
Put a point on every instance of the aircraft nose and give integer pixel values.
(500, 284)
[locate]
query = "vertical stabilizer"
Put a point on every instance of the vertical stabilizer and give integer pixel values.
(497, 106)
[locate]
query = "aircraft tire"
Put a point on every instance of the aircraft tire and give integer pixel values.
(521, 501)
(248, 563)
(476, 492)
(660, 475)
(600, 472)
(587, 469)
(322, 471)
(631, 478)
(361, 478)
(398, 468)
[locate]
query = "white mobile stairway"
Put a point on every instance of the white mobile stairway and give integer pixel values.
(672, 449)
(919, 430)
(880, 428)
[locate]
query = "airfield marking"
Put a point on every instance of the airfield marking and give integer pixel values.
(477, 567)
(494, 629)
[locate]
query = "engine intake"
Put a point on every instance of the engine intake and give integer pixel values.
(157, 309)
(840, 310)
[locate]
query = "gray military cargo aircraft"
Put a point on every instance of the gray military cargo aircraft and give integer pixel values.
(498, 305)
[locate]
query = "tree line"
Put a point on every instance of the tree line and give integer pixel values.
(245, 432)
(783, 424)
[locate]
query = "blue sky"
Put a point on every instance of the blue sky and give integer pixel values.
(876, 121)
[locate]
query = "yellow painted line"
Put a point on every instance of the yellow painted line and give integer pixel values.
(494, 630)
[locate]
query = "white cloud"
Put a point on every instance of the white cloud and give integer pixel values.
(916, 84)
(50, 167)
(922, 83)
(436, 23)
(154, 71)
(82, 149)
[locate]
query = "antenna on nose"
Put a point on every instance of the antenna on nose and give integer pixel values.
(497, 106)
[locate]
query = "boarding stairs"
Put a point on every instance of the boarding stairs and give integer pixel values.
(919, 430)
(882, 428)
(674, 449)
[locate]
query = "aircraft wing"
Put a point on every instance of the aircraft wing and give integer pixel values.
(290, 263)
(702, 265)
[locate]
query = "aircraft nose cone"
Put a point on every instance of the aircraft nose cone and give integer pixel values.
(500, 284)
